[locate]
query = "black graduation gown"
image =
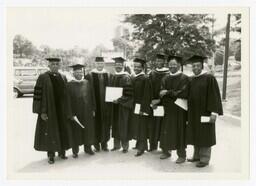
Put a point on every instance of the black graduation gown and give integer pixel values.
(50, 97)
(99, 82)
(121, 112)
(204, 98)
(139, 123)
(154, 127)
(173, 129)
(82, 105)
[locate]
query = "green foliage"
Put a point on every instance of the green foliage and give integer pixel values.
(182, 34)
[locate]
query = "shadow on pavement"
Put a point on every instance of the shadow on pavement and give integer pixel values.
(149, 160)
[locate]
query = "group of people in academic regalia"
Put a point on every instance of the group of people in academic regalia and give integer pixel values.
(75, 113)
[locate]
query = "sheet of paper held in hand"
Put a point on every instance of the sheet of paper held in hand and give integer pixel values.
(182, 103)
(159, 111)
(137, 110)
(205, 119)
(113, 93)
(78, 122)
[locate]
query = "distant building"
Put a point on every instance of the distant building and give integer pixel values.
(122, 31)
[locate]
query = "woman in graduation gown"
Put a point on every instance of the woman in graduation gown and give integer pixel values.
(204, 100)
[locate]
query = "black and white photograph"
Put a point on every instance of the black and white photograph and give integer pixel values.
(127, 93)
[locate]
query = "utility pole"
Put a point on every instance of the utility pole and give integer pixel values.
(213, 26)
(225, 72)
(213, 53)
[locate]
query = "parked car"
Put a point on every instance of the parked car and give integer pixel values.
(25, 79)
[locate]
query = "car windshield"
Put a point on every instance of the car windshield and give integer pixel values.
(25, 72)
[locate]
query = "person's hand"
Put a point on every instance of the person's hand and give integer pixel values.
(213, 118)
(153, 106)
(163, 93)
(93, 113)
(44, 116)
(155, 102)
(115, 101)
(175, 93)
(72, 118)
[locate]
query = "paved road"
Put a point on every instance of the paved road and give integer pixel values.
(24, 161)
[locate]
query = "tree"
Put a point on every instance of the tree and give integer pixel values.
(22, 46)
(181, 34)
(45, 50)
(123, 45)
(122, 42)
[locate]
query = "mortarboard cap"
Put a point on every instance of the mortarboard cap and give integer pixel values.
(178, 58)
(160, 56)
(196, 59)
(139, 60)
(77, 66)
(119, 59)
(99, 59)
(53, 59)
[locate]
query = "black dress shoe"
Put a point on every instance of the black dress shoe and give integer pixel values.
(90, 152)
(165, 156)
(105, 149)
(63, 157)
(115, 148)
(96, 150)
(180, 160)
(193, 159)
(51, 160)
(139, 153)
(125, 150)
(75, 156)
(151, 149)
(201, 164)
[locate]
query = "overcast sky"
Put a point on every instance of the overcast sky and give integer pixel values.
(66, 27)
